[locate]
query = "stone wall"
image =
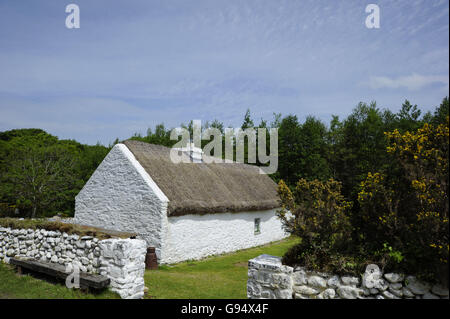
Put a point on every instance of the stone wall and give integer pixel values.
(121, 260)
(269, 279)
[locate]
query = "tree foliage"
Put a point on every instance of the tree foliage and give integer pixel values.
(317, 213)
(412, 215)
(40, 175)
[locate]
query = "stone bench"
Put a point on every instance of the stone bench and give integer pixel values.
(58, 271)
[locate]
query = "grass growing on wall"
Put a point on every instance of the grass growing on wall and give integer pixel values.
(13, 286)
(80, 230)
(222, 277)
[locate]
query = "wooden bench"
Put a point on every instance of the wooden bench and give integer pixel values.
(59, 271)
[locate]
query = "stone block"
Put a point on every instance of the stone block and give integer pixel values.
(317, 282)
(394, 277)
(417, 287)
(349, 292)
(439, 290)
(350, 281)
(327, 294)
(306, 290)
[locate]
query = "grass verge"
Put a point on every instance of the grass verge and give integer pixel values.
(14, 286)
(220, 277)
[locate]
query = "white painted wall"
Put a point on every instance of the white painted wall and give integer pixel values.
(121, 196)
(198, 236)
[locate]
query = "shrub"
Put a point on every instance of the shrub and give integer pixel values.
(317, 213)
(412, 217)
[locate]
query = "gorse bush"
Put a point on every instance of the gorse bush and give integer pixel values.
(418, 226)
(316, 212)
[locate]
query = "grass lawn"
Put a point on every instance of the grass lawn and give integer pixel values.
(222, 276)
(13, 286)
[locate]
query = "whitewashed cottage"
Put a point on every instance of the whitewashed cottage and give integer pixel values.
(185, 210)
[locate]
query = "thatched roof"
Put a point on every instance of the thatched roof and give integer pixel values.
(201, 188)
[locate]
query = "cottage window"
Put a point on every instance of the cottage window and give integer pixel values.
(257, 226)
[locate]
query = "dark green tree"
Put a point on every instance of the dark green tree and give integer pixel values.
(441, 112)
(289, 162)
(313, 150)
(40, 172)
(248, 122)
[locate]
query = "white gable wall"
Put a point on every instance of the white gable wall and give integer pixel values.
(121, 196)
(198, 236)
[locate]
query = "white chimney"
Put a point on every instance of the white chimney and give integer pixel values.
(195, 153)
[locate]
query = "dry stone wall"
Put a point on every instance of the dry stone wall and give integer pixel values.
(269, 279)
(121, 260)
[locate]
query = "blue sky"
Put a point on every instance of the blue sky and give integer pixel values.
(134, 64)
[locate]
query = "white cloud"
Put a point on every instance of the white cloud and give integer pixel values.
(411, 82)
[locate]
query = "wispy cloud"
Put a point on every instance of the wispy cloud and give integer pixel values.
(132, 65)
(411, 82)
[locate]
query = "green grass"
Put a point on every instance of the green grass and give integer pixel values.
(13, 286)
(223, 277)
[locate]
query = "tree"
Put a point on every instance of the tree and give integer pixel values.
(40, 174)
(289, 164)
(218, 125)
(39, 171)
(441, 113)
(359, 147)
(276, 122)
(248, 122)
(408, 117)
(313, 152)
(161, 136)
